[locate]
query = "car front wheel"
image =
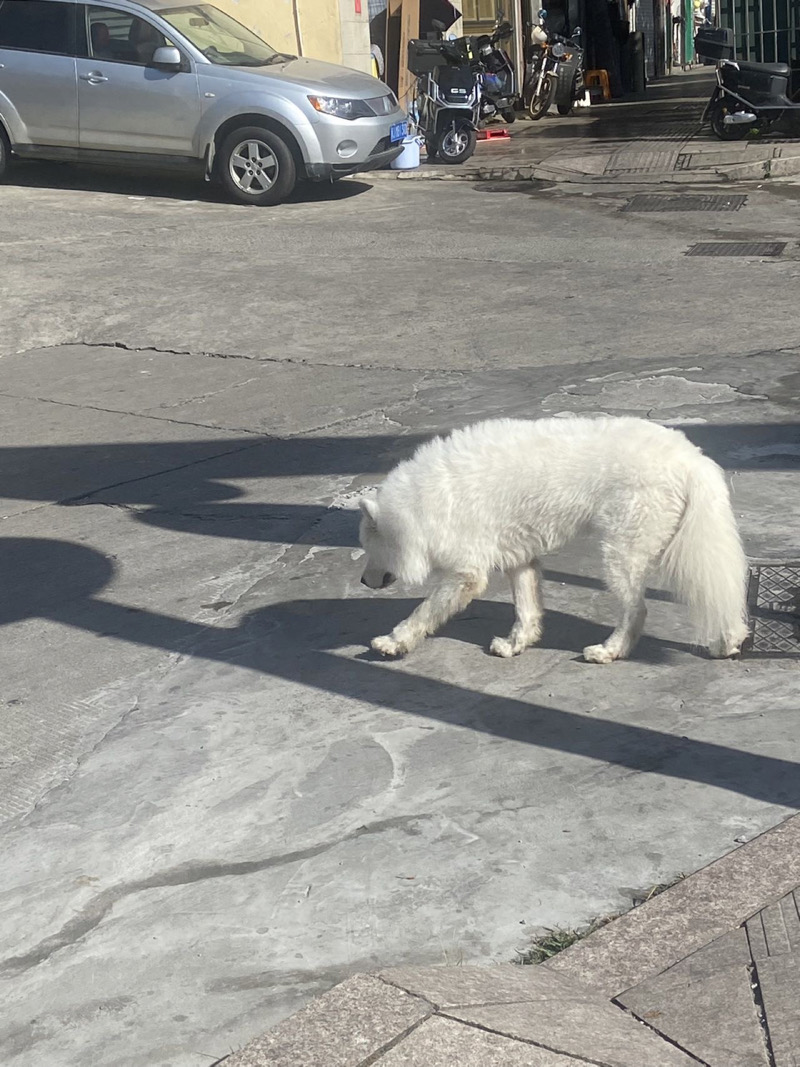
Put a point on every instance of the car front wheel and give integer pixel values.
(256, 166)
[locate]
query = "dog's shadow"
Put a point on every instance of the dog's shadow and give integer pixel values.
(359, 620)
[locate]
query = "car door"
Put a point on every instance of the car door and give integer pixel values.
(125, 103)
(38, 90)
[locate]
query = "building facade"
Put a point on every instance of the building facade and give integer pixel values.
(333, 30)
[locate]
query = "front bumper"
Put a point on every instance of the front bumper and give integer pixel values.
(322, 172)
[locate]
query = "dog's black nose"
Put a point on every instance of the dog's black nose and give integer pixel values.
(388, 578)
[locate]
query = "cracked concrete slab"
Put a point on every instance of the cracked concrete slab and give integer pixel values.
(347, 281)
(274, 398)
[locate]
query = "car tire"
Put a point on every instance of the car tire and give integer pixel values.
(256, 166)
(5, 153)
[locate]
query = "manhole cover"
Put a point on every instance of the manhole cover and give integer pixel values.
(653, 202)
(737, 248)
(773, 600)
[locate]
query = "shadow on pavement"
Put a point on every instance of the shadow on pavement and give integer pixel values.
(298, 641)
(179, 486)
(158, 184)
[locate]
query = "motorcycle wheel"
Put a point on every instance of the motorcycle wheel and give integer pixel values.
(718, 127)
(540, 105)
(455, 144)
(509, 115)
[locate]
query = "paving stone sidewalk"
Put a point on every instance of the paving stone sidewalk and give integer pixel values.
(656, 140)
(706, 973)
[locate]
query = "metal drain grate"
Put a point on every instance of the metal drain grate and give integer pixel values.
(773, 600)
(654, 202)
(761, 249)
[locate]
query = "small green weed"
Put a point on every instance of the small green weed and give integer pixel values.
(553, 941)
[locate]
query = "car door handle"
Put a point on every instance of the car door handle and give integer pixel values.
(93, 78)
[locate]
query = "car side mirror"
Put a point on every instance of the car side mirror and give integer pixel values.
(166, 57)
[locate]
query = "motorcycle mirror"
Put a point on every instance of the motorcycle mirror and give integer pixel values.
(542, 13)
(577, 31)
(451, 37)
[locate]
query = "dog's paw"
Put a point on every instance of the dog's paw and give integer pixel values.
(501, 646)
(598, 654)
(388, 646)
(725, 649)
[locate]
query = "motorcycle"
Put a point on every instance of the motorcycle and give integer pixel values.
(492, 63)
(749, 97)
(554, 73)
(446, 105)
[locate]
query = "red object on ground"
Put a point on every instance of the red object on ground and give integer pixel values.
(493, 135)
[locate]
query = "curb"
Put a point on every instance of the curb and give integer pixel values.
(757, 170)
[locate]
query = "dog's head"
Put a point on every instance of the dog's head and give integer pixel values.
(378, 548)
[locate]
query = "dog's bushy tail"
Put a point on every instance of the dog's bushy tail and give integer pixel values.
(705, 564)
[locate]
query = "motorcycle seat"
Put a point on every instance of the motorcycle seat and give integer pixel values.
(765, 68)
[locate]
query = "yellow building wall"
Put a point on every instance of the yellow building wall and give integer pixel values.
(281, 22)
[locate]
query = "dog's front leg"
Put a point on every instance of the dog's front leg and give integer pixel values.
(450, 596)
(526, 587)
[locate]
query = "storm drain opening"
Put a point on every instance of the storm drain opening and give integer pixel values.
(773, 603)
(679, 202)
(762, 249)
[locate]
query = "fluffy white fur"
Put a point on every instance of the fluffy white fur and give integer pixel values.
(501, 494)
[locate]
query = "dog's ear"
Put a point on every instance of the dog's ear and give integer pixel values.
(369, 507)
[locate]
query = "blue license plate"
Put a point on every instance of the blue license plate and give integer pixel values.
(398, 131)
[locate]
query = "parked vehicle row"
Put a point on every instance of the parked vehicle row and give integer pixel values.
(462, 82)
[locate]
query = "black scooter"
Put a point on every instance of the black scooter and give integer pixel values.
(446, 105)
(749, 97)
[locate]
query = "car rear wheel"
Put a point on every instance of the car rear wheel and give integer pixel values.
(256, 166)
(5, 152)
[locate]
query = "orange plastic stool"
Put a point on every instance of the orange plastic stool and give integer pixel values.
(599, 78)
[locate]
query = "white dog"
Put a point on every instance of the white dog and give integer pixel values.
(501, 494)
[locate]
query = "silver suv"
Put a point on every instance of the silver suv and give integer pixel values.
(158, 82)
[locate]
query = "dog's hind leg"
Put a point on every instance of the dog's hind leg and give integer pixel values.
(526, 587)
(451, 595)
(626, 575)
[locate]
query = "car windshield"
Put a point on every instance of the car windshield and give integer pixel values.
(220, 38)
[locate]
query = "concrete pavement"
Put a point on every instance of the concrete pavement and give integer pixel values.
(218, 804)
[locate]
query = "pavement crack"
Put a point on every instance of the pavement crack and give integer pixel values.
(136, 414)
(92, 914)
(295, 360)
(758, 1001)
(664, 1037)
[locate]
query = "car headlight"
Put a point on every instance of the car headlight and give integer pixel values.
(340, 108)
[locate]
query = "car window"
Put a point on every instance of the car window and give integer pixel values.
(37, 26)
(118, 35)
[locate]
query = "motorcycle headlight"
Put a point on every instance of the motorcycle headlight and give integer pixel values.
(341, 108)
(558, 50)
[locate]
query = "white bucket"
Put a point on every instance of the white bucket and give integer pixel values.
(409, 157)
